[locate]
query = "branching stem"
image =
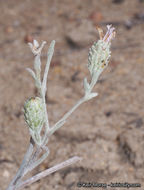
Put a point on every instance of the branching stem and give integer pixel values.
(49, 171)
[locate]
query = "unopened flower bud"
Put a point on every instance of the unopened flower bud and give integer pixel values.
(34, 113)
(35, 47)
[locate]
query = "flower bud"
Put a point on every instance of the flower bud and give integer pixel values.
(98, 58)
(99, 53)
(34, 113)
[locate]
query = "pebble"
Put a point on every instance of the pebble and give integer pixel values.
(6, 174)
(9, 29)
(96, 17)
(28, 38)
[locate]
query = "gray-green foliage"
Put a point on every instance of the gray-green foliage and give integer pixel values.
(35, 110)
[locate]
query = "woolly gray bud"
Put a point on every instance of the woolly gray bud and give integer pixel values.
(34, 113)
(98, 57)
(100, 53)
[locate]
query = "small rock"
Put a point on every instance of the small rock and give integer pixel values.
(139, 16)
(55, 63)
(96, 17)
(138, 123)
(131, 146)
(39, 27)
(74, 77)
(28, 38)
(57, 70)
(6, 174)
(128, 24)
(141, 1)
(9, 29)
(108, 113)
(118, 1)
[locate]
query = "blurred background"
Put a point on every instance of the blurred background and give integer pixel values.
(107, 131)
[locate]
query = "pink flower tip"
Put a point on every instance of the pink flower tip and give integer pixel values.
(110, 34)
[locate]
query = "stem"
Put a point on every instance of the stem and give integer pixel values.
(22, 168)
(82, 100)
(94, 80)
(35, 155)
(37, 162)
(63, 119)
(49, 171)
(61, 122)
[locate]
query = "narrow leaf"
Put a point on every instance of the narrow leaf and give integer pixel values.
(50, 54)
(92, 95)
(31, 72)
(37, 63)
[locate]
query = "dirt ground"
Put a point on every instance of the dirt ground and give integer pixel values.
(108, 131)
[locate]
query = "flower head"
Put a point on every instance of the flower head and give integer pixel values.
(110, 34)
(35, 47)
(34, 113)
(100, 53)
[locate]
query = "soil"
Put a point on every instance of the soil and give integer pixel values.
(108, 131)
